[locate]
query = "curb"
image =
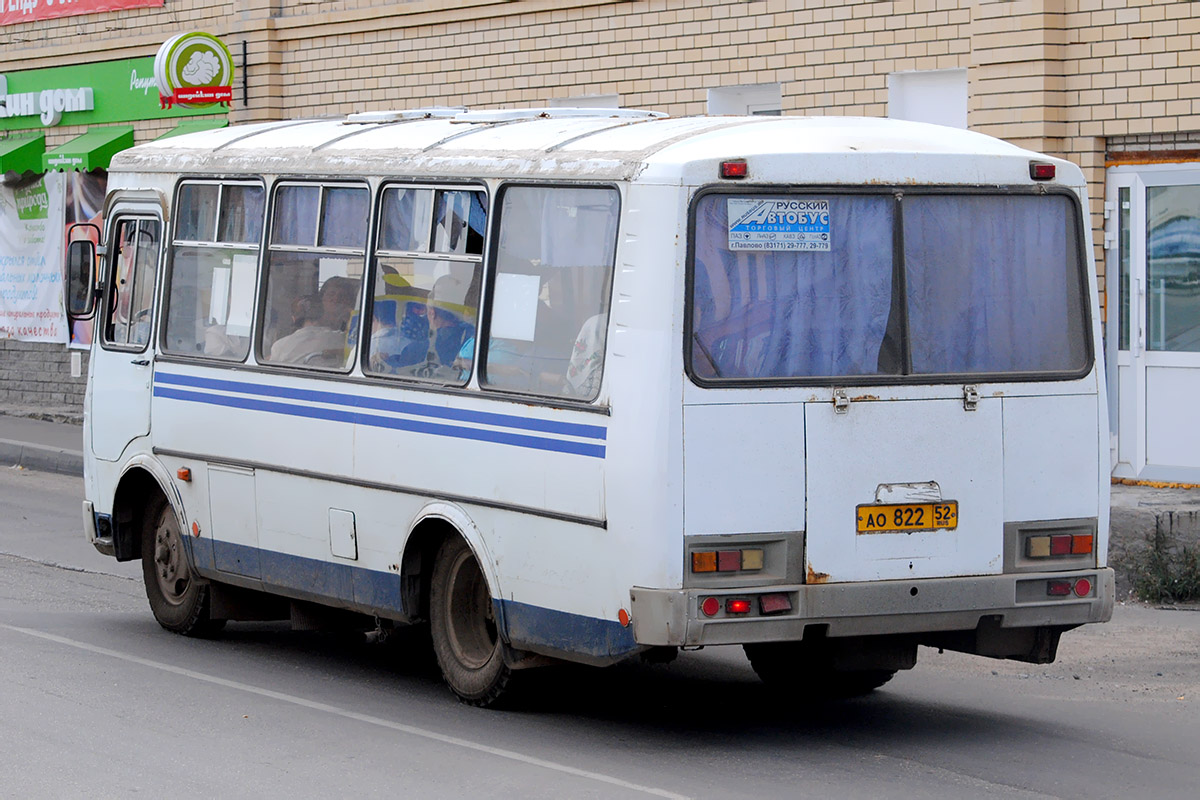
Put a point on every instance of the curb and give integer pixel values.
(46, 459)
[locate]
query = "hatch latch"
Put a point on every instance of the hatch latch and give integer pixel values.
(841, 403)
(970, 398)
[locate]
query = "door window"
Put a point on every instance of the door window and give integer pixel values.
(1173, 268)
(134, 263)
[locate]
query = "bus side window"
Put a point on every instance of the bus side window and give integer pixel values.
(557, 247)
(210, 296)
(428, 272)
(313, 275)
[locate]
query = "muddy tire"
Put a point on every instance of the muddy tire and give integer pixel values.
(466, 640)
(178, 598)
(801, 673)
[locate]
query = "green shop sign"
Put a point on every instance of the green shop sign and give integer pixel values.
(86, 94)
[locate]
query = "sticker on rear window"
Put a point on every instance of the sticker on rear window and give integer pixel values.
(775, 224)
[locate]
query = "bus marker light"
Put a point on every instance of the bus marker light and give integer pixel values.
(778, 603)
(710, 606)
(704, 562)
(739, 606)
(1081, 545)
(184, 474)
(729, 560)
(1058, 588)
(623, 618)
(195, 528)
(1083, 587)
(1040, 171)
(735, 169)
(752, 559)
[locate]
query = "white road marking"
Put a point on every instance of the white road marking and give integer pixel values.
(354, 715)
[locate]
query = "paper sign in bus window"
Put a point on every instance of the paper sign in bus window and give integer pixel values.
(778, 224)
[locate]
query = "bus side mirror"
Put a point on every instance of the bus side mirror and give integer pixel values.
(81, 279)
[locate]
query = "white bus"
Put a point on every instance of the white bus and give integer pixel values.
(580, 385)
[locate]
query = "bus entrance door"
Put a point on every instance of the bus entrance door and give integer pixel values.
(122, 364)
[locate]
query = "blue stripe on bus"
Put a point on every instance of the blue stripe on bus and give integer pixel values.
(377, 404)
(373, 420)
(528, 626)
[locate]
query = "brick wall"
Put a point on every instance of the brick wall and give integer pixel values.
(35, 380)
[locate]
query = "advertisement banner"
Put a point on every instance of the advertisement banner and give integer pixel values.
(14, 11)
(31, 257)
(85, 94)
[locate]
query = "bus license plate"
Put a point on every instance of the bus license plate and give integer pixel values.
(907, 517)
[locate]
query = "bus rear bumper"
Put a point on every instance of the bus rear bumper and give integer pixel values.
(673, 617)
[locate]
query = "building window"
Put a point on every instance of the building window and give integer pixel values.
(764, 99)
(937, 95)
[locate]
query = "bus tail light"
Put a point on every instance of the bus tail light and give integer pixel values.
(737, 168)
(1059, 544)
(744, 560)
(1058, 588)
(774, 603)
(1041, 171)
(738, 605)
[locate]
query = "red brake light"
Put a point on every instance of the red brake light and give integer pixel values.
(737, 606)
(1040, 171)
(729, 560)
(735, 169)
(1061, 545)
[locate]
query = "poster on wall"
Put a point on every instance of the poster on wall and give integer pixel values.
(31, 257)
(85, 203)
(14, 11)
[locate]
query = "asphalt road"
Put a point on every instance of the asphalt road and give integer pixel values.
(98, 702)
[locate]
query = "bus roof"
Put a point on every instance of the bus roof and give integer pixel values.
(596, 144)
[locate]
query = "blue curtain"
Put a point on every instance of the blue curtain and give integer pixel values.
(993, 284)
(787, 314)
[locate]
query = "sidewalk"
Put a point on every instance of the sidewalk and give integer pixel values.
(37, 444)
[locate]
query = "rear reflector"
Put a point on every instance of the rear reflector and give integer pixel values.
(710, 606)
(704, 562)
(1083, 587)
(739, 606)
(1058, 588)
(774, 604)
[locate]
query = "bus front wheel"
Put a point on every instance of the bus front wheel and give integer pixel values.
(179, 600)
(462, 618)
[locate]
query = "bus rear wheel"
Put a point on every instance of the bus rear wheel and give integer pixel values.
(466, 639)
(800, 671)
(179, 600)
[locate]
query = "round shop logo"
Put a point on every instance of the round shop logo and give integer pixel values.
(194, 69)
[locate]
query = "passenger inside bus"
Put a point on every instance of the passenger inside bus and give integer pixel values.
(312, 339)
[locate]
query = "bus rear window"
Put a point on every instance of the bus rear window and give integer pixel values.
(835, 286)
